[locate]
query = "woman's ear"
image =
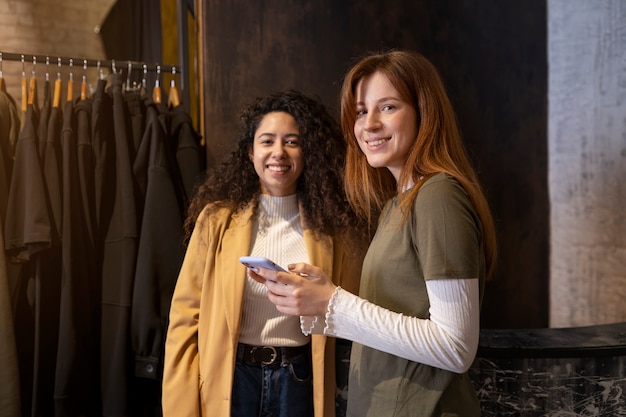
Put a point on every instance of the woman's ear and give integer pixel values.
(251, 153)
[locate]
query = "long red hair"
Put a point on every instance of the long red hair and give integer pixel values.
(437, 148)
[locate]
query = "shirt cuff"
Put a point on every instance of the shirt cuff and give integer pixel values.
(317, 324)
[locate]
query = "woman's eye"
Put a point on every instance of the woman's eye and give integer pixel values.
(360, 112)
(388, 107)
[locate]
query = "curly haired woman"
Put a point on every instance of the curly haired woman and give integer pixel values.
(279, 195)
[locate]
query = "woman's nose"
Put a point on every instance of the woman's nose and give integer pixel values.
(372, 121)
(278, 150)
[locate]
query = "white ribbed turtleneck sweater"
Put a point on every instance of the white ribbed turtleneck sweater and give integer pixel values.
(277, 235)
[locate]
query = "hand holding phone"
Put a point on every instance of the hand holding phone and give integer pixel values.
(254, 262)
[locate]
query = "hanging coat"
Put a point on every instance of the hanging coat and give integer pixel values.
(189, 154)
(9, 377)
(118, 268)
(86, 174)
(103, 144)
(9, 132)
(50, 261)
(161, 247)
(27, 236)
(53, 170)
(76, 379)
(42, 125)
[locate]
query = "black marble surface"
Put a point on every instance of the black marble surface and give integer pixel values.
(579, 371)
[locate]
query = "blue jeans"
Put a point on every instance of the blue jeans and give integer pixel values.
(282, 389)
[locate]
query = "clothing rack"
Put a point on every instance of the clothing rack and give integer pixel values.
(133, 69)
(114, 65)
(184, 10)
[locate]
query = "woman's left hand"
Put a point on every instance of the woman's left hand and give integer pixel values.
(304, 291)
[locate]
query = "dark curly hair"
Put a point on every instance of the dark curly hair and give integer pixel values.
(235, 183)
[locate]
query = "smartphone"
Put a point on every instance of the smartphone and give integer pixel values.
(254, 262)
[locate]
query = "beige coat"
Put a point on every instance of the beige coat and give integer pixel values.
(205, 317)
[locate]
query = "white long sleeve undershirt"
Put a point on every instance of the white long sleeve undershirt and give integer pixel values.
(447, 340)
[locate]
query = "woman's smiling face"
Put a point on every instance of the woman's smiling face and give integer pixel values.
(277, 155)
(385, 125)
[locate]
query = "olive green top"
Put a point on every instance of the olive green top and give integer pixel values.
(441, 239)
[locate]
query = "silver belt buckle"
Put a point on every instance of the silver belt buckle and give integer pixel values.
(273, 357)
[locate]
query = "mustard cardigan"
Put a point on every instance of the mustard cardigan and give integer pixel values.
(205, 316)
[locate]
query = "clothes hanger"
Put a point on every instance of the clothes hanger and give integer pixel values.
(3, 86)
(83, 84)
(24, 88)
(47, 69)
(70, 83)
(99, 71)
(113, 69)
(172, 98)
(56, 97)
(32, 90)
(156, 91)
(144, 80)
(46, 90)
(130, 85)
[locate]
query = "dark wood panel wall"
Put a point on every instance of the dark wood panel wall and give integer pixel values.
(492, 57)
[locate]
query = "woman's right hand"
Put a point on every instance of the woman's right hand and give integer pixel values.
(304, 291)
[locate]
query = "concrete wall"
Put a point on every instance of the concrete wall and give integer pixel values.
(587, 149)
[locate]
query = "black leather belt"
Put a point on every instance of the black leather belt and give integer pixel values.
(268, 355)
